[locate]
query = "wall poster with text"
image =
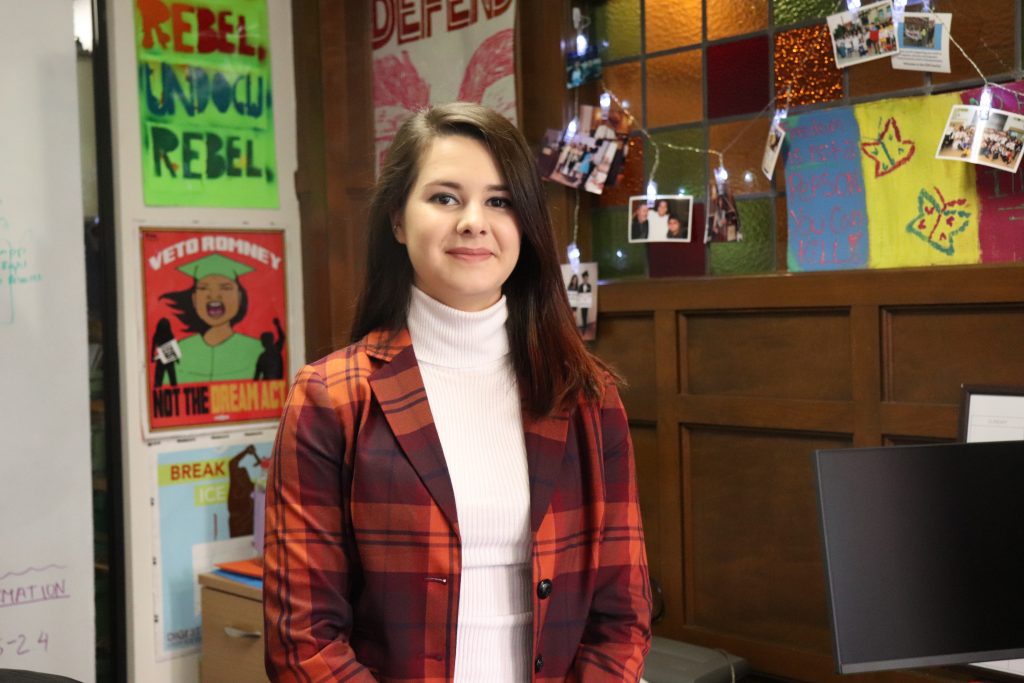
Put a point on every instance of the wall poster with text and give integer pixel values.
(215, 316)
(206, 104)
(426, 52)
(204, 515)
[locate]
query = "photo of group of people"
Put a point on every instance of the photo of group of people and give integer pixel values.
(591, 156)
(996, 141)
(667, 220)
(869, 33)
(923, 41)
(723, 216)
(581, 287)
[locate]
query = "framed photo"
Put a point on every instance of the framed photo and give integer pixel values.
(991, 413)
(864, 35)
(670, 219)
(924, 42)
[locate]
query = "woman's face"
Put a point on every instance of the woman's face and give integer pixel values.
(459, 226)
(674, 226)
(216, 300)
(662, 208)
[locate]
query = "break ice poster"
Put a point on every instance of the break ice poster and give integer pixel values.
(215, 317)
(204, 515)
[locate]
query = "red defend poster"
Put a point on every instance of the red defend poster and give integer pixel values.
(215, 311)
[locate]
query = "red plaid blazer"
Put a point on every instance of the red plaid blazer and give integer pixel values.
(362, 546)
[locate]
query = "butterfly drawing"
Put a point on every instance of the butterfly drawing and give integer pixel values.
(889, 150)
(938, 220)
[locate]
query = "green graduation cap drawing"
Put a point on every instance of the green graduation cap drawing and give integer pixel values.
(215, 264)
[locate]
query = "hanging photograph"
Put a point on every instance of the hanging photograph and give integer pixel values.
(864, 35)
(204, 515)
(723, 217)
(668, 219)
(924, 42)
(581, 287)
(215, 316)
(206, 105)
(995, 141)
(772, 148)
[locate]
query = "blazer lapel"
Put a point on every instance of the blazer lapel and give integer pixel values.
(398, 387)
(545, 449)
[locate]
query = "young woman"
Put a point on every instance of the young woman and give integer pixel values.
(452, 497)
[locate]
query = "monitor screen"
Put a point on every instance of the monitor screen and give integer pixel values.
(924, 553)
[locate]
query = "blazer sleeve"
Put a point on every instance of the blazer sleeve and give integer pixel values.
(309, 557)
(617, 636)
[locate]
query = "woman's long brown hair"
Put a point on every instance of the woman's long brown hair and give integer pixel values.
(552, 364)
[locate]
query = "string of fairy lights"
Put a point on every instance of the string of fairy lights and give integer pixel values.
(721, 174)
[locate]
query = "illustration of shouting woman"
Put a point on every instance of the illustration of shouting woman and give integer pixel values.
(210, 309)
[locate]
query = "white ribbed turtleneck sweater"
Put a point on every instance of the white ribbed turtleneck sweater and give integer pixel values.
(471, 389)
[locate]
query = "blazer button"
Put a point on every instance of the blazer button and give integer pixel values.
(544, 589)
(538, 664)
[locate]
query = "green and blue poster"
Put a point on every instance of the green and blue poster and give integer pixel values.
(206, 104)
(205, 515)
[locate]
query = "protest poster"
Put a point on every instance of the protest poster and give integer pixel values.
(427, 52)
(204, 516)
(215, 316)
(206, 104)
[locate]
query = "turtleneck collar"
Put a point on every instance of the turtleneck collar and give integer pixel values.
(448, 337)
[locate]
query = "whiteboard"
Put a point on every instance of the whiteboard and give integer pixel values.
(46, 558)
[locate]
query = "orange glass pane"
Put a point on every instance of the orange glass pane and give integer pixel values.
(745, 142)
(878, 77)
(735, 17)
(674, 93)
(624, 81)
(985, 30)
(804, 61)
(671, 23)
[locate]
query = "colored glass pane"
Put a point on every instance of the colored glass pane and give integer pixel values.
(674, 89)
(738, 77)
(755, 253)
(624, 80)
(670, 24)
(615, 256)
(804, 61)
(665, 259)
(617, 22)
(985, 30)
(745, 141)
(679, 170)
(792, 11)
(878, 77)
(735, 17)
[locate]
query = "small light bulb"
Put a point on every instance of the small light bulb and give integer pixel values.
(581, 44)
(748, 177)
(652, 191)
(619, 254)
(721, 175)
(682, 190)
(573, 253)
(570, 130)
(606, 103)
(985, 103)
(852, 5)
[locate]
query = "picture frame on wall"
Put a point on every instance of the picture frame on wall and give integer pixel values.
(991, 413)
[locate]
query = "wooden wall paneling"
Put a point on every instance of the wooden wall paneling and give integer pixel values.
(766, 413)
(629, 339)
(671, 496)
(866, 372)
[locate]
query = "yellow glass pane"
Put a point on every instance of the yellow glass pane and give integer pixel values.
(674, 93)
(617, 22)
(735, 17)
(624, 81)
(745, 142)
(985, 30)
(671, 23)
(804, 61)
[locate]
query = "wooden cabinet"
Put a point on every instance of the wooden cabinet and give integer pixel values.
(232, 631)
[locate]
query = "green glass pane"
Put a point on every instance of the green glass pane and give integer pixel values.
(792, 11)
(617, 22)
(679, 168)
(615, 256)
(755, 253)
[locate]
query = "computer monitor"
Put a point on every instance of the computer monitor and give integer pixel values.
(924, 553)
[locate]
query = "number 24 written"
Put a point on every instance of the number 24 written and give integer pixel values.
(21, 645)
